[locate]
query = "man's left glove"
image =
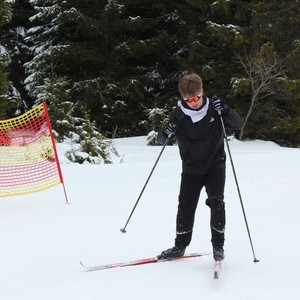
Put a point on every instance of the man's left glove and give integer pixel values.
(170, 129)
(218, 103)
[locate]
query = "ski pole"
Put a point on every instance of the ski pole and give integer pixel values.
(237, 185)
(136, 203)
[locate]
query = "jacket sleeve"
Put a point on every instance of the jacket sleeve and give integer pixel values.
(232, 119)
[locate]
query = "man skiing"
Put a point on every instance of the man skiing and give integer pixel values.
(198, 129)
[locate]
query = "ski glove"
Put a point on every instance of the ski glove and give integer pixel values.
(219, 104)
(170, 129)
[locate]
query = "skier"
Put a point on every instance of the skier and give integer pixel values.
(198, 129)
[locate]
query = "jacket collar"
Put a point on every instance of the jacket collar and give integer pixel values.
(195, 115)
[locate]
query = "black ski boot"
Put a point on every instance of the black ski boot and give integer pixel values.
(218, 252)
(172, 252)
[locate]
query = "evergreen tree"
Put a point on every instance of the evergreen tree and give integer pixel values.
(91, 146)
(45, 43)
(60, 107)
(121, 58)
(5, 12)
(15, 33)
(158, 118)
(142, 63)
(73, 39)
(4, 85)
(68, 56)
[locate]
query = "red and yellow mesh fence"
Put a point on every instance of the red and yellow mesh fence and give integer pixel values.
(28, 157)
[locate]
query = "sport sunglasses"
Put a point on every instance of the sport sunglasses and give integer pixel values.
(193, 99)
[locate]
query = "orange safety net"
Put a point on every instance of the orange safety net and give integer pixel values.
(28, 158)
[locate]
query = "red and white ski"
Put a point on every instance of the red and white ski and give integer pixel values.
(140, 262)
(217, 269)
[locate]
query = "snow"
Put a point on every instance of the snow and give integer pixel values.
(43, 238)
(232, 28)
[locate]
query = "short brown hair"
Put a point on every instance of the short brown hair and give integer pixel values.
(190, 84)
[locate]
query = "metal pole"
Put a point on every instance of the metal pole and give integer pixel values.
(237, 185)
(163, 148)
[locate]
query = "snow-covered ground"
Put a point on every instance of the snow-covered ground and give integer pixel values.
(43, 239)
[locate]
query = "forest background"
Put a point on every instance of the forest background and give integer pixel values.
(111, 68)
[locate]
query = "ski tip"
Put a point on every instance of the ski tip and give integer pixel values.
(217, 269)
(81, 263)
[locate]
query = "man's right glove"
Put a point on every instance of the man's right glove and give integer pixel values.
(170, 130)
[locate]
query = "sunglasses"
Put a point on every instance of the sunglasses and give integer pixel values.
(193, 99)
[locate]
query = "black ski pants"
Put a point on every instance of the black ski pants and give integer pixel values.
(190, 188)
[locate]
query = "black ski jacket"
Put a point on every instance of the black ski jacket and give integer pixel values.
(201, 144)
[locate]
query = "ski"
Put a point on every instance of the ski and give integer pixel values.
(140, 262)
(217, 269)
